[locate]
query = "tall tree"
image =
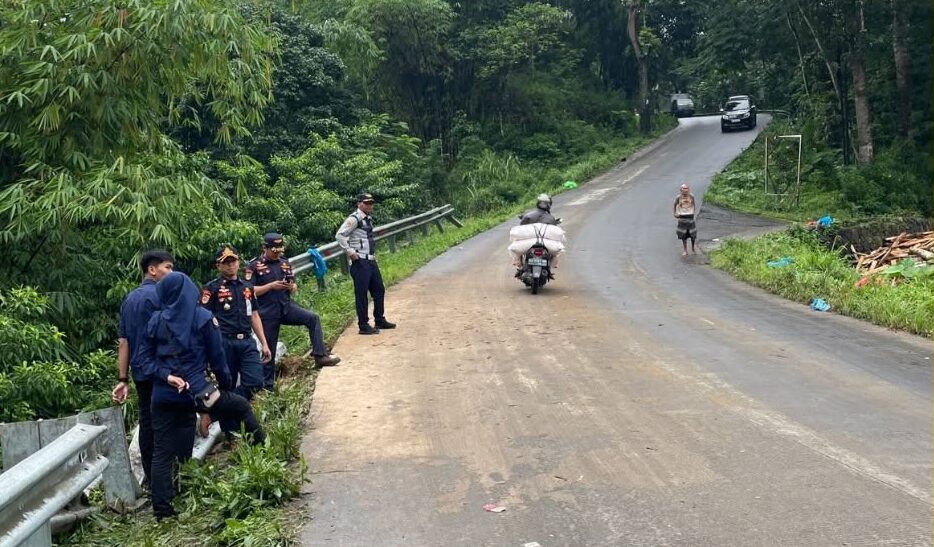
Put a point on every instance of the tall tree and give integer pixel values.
(902, 66)
(645, 109)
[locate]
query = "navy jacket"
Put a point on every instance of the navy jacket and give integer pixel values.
(137, 308)
(164, 358)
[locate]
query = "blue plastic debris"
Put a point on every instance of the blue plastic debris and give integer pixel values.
(321, 265)
(780, 263)
(819, 304)
(824, 221)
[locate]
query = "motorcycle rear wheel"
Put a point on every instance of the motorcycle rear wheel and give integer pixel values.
(535, 285)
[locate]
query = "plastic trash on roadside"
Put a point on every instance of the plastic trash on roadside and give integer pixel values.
(824, 221)
(819, 304)
(780, 263)
(570, 185)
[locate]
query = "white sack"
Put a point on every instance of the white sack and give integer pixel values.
(523, 245)
(527, 231)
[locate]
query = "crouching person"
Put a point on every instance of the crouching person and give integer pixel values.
(181, 340)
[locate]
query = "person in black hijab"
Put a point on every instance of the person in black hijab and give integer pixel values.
(182, 338)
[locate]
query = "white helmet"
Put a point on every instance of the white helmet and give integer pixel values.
(543, 199)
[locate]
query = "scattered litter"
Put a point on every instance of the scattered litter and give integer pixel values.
(819, 304)
(824, 221)
(781, 262)
(715, 239)
(493, 508)
(570, 185)
(532, 544)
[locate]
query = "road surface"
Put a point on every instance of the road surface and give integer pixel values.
(642, 398)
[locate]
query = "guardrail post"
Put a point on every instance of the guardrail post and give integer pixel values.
(440, 225)
(392, 244)
(424, 228)
(455, 222)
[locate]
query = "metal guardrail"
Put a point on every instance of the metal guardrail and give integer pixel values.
(32, 491)
(390, 232)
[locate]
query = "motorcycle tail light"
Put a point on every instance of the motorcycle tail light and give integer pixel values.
(538, 252)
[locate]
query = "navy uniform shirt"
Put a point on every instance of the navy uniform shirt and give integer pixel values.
(137, 308)
(263, 271)
(232, 301)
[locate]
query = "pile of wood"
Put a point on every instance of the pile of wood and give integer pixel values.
(919, 246)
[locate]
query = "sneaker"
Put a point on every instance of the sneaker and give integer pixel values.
(327, 360)
(367, 329)
(383, 324)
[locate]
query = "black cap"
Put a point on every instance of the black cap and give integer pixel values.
(226, 252)
(366, 197)
(273, 240)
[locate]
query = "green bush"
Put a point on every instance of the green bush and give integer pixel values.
(38, 379)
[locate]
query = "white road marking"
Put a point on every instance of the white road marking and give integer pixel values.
(595, 195)
(778, 424)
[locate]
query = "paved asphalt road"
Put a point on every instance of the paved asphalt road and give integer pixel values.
(642, 398)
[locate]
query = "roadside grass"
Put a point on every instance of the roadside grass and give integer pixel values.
(846, 194)
(821, 273)
(241, 497)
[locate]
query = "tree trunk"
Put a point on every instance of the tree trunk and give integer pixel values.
(804, 74)
(831, 65)
(902, 67)
(645, 110)
(857, 64)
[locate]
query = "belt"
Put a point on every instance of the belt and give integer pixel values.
(366, 256)
(238, 336)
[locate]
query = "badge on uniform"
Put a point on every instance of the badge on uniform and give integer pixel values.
(214, 320)
(205, 296)
(248, 274)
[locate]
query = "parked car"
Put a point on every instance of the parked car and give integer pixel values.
(738, 112)
(682, 105)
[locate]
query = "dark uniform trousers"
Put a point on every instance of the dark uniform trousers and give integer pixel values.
(367, 278)
(243, 361)
(174, 433)
(290, 314)
(144, 393)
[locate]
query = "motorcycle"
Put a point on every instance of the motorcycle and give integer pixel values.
(535, 269)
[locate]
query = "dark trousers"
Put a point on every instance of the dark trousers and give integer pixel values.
(174, 434)
(243, 362)
(144, 395)
(367, 278)
(173, 427)
(290, 315)
(233, 409)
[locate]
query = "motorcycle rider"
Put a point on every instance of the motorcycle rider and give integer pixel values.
(541, 213)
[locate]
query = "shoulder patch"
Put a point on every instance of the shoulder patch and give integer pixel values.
(205, 296)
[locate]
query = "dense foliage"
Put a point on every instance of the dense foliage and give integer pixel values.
(185, 125)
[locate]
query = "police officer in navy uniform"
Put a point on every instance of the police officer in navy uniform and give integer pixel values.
(232, 300)
(274, 279)
(356, 238)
